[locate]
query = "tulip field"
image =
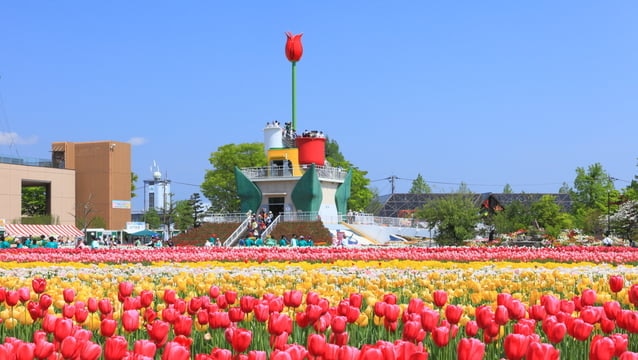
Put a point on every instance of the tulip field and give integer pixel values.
(322, 303)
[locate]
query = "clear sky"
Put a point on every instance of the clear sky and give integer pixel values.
(482, 92)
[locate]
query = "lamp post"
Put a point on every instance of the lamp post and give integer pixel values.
(611, 182)
(608, 214)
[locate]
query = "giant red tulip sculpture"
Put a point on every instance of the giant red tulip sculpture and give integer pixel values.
(294, 50)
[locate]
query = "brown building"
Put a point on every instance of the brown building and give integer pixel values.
(102, 179)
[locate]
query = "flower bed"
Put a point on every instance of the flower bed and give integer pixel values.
(322, 303)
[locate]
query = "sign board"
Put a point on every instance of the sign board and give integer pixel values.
(121, 204)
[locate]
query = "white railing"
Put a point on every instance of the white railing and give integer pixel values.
(271, 227)
(233, 239)
(273, 172)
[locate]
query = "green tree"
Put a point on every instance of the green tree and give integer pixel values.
(34, 201)
(134, 179)
(360, 195)
(219, 183)
(515, 216)
(183, 215)
(455, 218)
(463, 188)
(507, 189)
(592, 195)
(419, 186)
(152, 218)
(549, 217)
(188, 213)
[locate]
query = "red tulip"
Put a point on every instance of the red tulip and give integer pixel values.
(183, 325)
(516, 310)
(621, 343)
(108, 327)
(537, 312)
(412, 331)
(81, 314)
(169, 314)
(542, 351)
(218, 320)
(105, 306)
(348, 353)
(92, 305)
(12, 298)
(339, 323)
(316, 344)
(175, 351)
(392, 312)
(471, 328)
(34, 309)
(313, 312)
(145, 348)
(221, 301)
(115, 348)
(241, 339)
(170, 296)
(525, 327)
(501, 315)
(125, 289)
(484, 316)
(470, 349)
(68, 347)
(90, 351)
(379, 308)
(43, 349)
(591, 314)
(415, 306)
(256, 355)
(39, 285)
(294, 49)
(45, 301)
(280, 341)
(515, 346)
(356, 300)
(235, 314)
(131, 320)
(68, 311)
(261, 312)
(389, 298)
(588, 297)
(439, 297)
(567, 306)
(441, 336)
(247, 303)
(616, 283)
(158, 332)
(213, 291)
(321, 325)
(352, 314)
(607, 326)
(628, 355)
(453, 314)
(601, 348)
(146, 298)
(63, 328)
(68, 295)
(551, 304)
(580, 330)
(25, 351)
(633, 294)
(279, 323)
(612, 309)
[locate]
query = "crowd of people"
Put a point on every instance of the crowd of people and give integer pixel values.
(30, 242)
(271, 241)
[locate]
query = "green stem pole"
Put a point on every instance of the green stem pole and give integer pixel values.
(294, 115)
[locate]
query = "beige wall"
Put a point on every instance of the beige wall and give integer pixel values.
(103, 174)
(62, 184)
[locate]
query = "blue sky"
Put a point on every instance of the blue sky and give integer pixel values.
(482, 92)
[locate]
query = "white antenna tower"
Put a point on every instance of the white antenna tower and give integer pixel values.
(157, 174)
